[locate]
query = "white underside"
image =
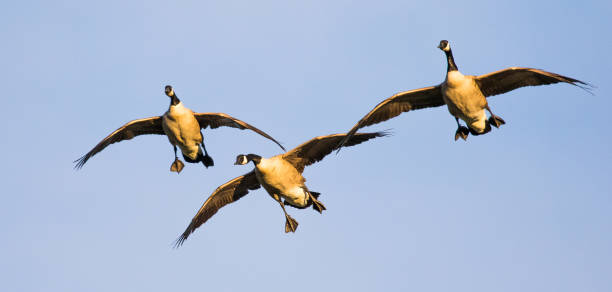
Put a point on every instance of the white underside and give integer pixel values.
(296, 196)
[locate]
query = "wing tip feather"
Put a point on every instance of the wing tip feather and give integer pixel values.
(80, 162)
(588, 87)
(180, 240)
(347, 137)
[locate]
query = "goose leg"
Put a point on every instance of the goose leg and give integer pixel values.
(462, 132)
(290, 223)
(494, 120)
(206, 160)
(177, 165)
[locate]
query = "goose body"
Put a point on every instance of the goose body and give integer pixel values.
(464, 100)
(464, 95)
(280, 175)
(183, 129)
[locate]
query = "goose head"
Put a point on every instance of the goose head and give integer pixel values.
(244, 159)
(444, 45)
(170, 93)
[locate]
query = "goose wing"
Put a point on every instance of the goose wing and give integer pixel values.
(152, 125)
(512, 78)
(397, 104)
(228, 193)
(317, 148)
(216, 120)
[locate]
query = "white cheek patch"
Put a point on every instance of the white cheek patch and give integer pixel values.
(446, 48)
(244, 160)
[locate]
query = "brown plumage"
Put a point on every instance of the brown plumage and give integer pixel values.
(509, 79)
(225, 194)
(280, 175)
(216, 120)
(465, 96)
(395, 105)
(317, 148)
(147, 126)
(183, 129)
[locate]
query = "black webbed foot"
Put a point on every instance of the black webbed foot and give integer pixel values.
(177, 166)
(462, 132)
(290, 225)
(318, 206)
(496, 121)
(207, 161)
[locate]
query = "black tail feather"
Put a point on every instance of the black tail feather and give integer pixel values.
(191, 160)
(207, 161)
(204, 158)
(486, 130)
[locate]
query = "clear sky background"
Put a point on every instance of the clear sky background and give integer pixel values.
(524, 208)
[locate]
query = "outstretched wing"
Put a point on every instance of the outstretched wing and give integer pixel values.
(228, 193)
(317, 148)
(512, 78)
(216, 120)
(152, 125)
(397, 104)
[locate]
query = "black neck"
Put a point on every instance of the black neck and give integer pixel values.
(254, 157)
(174, 100)
(451, 61)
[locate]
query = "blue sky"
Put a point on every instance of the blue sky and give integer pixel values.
(524, 208)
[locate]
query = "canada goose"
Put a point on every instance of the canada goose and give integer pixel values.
(280, 175)
(183, 129)
(464, 95)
